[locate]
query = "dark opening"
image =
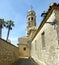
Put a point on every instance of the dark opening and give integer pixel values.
(31, 18)
(24, 48)
(43, 40)
(28, 18)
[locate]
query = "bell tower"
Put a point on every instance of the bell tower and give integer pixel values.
(31, 22)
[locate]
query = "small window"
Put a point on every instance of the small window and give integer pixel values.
(31, 18)
(43, 39)
(42, 33)
(35, 41)
(28, 18)
(24, 48)
(36, 45)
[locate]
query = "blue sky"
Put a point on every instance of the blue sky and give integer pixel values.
(16, 10)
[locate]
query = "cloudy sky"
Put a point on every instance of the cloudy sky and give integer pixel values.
(16, 10)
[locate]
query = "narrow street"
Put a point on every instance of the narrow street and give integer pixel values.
(25, 61)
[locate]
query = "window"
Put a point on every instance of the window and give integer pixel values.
(36, 45)
(28, 18)
(24, 48)
(31, 18)
(43, 40)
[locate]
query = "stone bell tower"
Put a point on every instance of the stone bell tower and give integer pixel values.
(24, 42)
(31, 23)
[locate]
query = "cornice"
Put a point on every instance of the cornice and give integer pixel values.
(45, 18)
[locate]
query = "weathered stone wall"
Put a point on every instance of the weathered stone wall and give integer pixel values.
(57, 22)
(23, 50)
(48, 54)
(23, 47)
(8, 53)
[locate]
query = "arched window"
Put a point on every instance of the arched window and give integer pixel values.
(31, 18)
(28, 18)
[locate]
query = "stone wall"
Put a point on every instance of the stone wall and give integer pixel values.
(8, 53)
(23, 47)
(23, 50)
(57, 22)
(46, 54)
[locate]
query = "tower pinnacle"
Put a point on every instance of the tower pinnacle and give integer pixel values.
(31, 21)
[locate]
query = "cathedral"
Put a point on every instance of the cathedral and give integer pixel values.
(40, 46)
(25, 42)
